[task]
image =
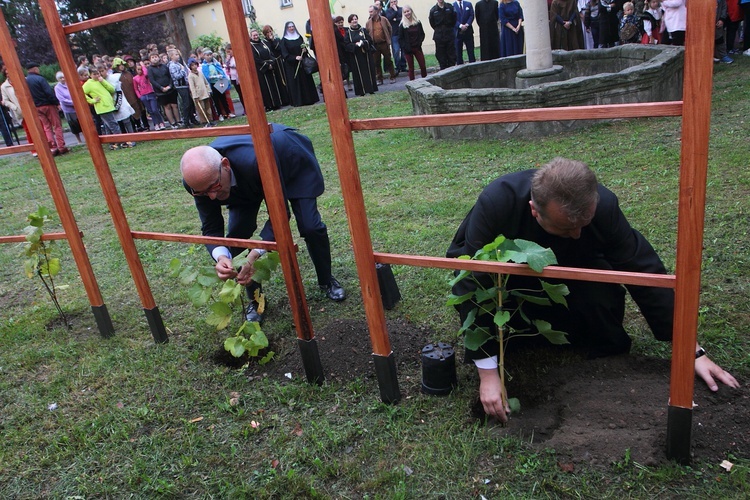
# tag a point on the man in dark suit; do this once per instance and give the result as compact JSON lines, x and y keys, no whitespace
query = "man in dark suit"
{"x":561,"y":206}
{"x":443,"y":20}
{"x":225,"y":173}
{"x":394,"y":13}
{"x":464,"y":30}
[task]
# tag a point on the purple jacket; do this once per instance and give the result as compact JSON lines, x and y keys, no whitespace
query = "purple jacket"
{"x":63,"y":95}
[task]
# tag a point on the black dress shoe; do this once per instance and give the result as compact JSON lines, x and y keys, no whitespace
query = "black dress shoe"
{"x":252,"y":314}
{"x":334,"y":290}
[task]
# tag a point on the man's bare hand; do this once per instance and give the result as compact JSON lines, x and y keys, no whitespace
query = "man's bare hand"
{"x":710,"y":372}
{"x":490,"y":394}
{"x":224,"y":268}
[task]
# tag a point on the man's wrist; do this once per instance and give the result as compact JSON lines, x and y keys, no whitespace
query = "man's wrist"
{"x":221,"y":252}
{"x":261,"y":252}
{"x":700,"y":353}
{"x":486,"y":363}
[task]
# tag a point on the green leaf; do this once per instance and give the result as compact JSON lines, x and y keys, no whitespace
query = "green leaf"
{"x":501,"y":317}
{"x":33,"y":234}
{"x":265,"y":359}
{"x":51,"y":267}
{"x":261,"y":275}
{"x":515,"y":405}
{"x":220,"y":315}
{"x":207,"y":277}
{"x":198,"y":295}
{"x":556,"y":292}
{"x":188,"y":275}
{"x":174,"y":267}
{"x":460,"y":276}
{"x":489,"y":294}
{"x":491,"y":248}
{"x":248,"y":328}
{"x":536,"y":256}
{"x":230,"y":291}
{"x":474,"y":339}
{"x":468,"y":322}
{"x":29,"y":268}
{"x":542,"y":301}
{"x":554,"y":336}
{"x":235,"y":346}
{"x":259,"y":338}
{"x":459,"y":299}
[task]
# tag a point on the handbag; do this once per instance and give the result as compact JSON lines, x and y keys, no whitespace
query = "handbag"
{"x":118,"y":99}
{"x":309,"y":64}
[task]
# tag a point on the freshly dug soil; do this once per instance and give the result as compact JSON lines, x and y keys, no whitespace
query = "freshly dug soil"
{"x":589,"y":411}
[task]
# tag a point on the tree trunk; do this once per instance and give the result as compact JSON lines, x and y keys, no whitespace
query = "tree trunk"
{"x":177,"y":30}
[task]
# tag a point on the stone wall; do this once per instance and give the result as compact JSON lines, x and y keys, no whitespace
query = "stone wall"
{"x":626,"y":74}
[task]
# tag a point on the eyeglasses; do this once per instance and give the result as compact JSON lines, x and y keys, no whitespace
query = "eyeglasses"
{"x":212,"y":188}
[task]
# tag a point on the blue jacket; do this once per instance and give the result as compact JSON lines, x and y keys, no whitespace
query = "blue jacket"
{"x":299,"y":173}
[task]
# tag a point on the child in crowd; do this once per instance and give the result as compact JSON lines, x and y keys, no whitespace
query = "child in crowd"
{"x":720,"y":46}
{"x":100,"y":94}
{"x":591,"y":20}
{"x":629,"y":30}
{"x":652,"y":25}
{"x":145,"y":93}
{"x":201,"y":92}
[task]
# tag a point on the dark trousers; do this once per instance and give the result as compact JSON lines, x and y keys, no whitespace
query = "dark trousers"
{"x":243,"y":222}
{"x":220,"y":102}
{"x":465,"y":39}
{"x":187,"y":108}
{"x":445,"y":53}
{"x":677,"y":38}
{"x":419,"y":56}
{"x":382,"y":49}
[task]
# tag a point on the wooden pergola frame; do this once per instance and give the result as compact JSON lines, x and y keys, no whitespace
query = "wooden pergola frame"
{"x":257,"y":126}
{"x":695,"y":110}
{"x":71,"y":232}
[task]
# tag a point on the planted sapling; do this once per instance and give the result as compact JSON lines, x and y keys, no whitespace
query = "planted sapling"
{"x":203,"y":282}
{"x":40,"y":257}
{"x":493,"y":299}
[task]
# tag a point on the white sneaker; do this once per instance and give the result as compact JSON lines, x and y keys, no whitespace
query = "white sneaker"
{"x":221,"y":118}
{"x":232,"y":115}
{"x":747,"y":52}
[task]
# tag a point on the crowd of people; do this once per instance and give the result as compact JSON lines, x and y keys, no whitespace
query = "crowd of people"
{"x":579,"y":24}
{"x":158,"y":90}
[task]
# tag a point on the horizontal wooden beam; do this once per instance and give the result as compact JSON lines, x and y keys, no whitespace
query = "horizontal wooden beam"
{"x":23,"y":148}
{"x":598,"y":275}
{"x":146,"y":10}
{"x":45,"y":237}
{"x":163,"y":135}
{"x":206,"y":240}
{"x":637,"y":110}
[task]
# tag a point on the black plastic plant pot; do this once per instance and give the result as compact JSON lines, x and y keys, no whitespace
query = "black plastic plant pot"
{"x":438,"y":369}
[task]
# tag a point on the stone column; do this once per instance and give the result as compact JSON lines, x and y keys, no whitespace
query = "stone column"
{"x":536,"y":31}
{"x":539,"y":67}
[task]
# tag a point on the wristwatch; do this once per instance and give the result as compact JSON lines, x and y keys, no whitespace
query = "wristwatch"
{"x":700,"y":352}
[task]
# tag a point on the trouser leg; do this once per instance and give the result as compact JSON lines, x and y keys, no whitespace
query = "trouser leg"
{"x":313,"y":231}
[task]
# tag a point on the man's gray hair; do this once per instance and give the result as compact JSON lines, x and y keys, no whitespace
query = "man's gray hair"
{"x":570,"y":183}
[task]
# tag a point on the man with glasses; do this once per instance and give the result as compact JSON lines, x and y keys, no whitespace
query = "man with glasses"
{"x":225,"y":173}
{"x":562,"y":206}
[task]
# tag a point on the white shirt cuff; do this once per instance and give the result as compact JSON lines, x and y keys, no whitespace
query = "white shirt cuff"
{"x":486,"y":363}
{"x":219,"y":251}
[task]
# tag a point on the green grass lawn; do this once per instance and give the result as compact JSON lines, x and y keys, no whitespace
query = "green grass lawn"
{"x":138,"y":419}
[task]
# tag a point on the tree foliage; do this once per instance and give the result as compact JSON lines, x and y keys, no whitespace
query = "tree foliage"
{"x":27,"y":27}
